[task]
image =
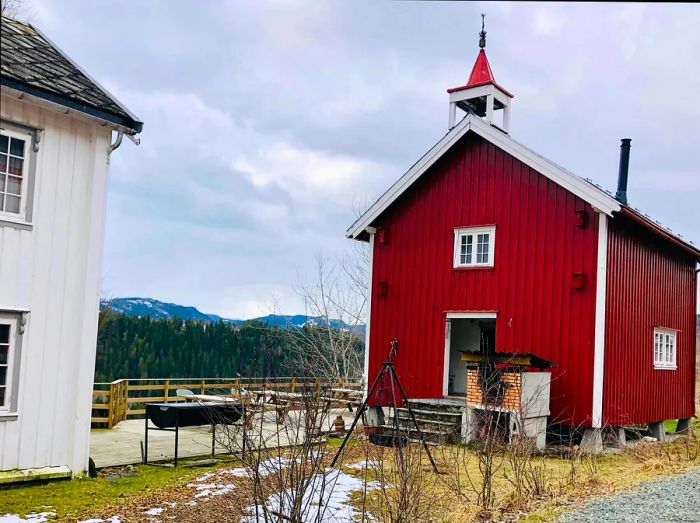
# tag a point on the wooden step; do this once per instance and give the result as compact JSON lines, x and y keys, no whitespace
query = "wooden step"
{"x":409,"y":430}
{"x":431,"y":412}
{"x":427,"y":421}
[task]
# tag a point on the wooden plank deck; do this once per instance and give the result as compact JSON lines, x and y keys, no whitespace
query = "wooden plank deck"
{"x":121,"y":444}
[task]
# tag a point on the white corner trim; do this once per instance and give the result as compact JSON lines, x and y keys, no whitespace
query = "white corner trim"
{"x":365,"y":371}
{"x":599,"y":340}
{"x":566,"y":179}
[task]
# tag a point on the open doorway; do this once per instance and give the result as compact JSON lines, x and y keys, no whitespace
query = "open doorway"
{"x":465,"y":332}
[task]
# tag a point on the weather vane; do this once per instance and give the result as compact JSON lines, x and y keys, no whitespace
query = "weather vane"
{"x":482,"y":34}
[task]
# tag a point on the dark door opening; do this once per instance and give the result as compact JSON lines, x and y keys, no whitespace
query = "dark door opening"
{"x":476,"y":335}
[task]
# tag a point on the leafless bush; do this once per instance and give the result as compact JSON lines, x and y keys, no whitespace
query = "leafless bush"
{"x":406,"y":485}
{"x":284,"y":451}
{"x":336,"y":297}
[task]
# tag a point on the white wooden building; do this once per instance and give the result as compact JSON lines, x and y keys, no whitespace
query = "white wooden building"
{"x":58,"y":128}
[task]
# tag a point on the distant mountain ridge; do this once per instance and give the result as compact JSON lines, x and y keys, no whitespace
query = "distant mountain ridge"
{"x":153,"y":308}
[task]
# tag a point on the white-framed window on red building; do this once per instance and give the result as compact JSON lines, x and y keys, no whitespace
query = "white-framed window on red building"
{"x":665,"y":348}
{"x":474,"y":246}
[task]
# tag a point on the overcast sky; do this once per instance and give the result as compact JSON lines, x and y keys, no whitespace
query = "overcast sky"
{"x":266,"y":123}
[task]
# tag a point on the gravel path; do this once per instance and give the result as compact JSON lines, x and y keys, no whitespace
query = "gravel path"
{"x":671,"y":499}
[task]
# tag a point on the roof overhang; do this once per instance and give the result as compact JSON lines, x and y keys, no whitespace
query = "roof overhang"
{"x":480,"y":84}
{"x":127,"y":125}
{"x":588,"y":192}
{"x":661,"y":231}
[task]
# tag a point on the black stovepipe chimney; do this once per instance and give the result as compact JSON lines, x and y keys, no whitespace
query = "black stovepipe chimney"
{"x":621,"y":194}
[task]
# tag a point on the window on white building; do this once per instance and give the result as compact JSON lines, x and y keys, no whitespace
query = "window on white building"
{"x":14,"y":167}
{"x":7,"y":345}
{"x":665,"y":348}
{"x":474,"y":247}
{"x":11,"y":332}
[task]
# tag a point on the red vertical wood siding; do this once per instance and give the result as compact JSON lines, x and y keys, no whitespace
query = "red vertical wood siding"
{"x":538,"y":248}
{"x":649,"y":283}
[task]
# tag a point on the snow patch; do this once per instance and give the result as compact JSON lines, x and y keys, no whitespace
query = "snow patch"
{"x":362,"y":465}
{"x":211,"y":489}
{"x":155,"y":511}
{"x":34,"y":517}
{"x":325,"y":500}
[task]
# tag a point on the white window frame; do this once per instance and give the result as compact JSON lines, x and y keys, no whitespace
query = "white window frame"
{"x":26,"y":158}
{"x":461,"y":232}
{"x":665,"y":346}
{"x":7,"y":407}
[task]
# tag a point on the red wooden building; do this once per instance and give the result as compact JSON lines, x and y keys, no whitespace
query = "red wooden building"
{"x":485,"y":242}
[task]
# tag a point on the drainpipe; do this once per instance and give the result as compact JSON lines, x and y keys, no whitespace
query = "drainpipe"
{"x":116,"y":144}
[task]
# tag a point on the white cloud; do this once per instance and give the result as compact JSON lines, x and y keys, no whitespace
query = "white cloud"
{"x":265,"y":122}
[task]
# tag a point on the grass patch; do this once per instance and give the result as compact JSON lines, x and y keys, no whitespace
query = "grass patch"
{"x":564,"y":483}
{"x":72,"y":498}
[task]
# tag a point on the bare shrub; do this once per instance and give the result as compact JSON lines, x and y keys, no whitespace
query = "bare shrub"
{"x":407,"y":486}
{"x":284,"y":451}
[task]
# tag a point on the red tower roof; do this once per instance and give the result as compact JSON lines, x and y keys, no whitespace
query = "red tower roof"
{"x":481,"y":72}
{"x":481,"y":75}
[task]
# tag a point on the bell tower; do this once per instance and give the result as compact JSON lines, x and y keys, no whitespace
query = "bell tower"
{"x":481,"y":95}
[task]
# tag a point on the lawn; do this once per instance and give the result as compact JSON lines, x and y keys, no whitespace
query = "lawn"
{"x":537,"y":488}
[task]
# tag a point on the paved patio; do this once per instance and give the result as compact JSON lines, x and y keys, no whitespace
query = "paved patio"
{"x":121,"y":445}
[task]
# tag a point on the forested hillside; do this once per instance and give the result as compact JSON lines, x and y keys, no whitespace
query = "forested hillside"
{"x":143,"y":347}
{"x":132,"y":347}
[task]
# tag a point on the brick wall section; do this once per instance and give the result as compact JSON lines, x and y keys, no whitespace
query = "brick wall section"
{"x":512,"y":396}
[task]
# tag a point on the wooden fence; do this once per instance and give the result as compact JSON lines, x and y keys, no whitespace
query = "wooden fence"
{"x":125,"y":399}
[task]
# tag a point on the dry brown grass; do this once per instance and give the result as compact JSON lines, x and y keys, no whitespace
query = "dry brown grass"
{"x":550,"y":486}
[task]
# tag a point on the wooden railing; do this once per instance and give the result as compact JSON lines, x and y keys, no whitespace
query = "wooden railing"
{"x":125,"y":399}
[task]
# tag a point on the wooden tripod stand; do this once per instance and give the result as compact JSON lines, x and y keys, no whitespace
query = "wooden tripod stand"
{"x":389,"y":371}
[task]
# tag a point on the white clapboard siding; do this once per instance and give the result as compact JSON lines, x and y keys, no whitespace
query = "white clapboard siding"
{"x":54,"y":271}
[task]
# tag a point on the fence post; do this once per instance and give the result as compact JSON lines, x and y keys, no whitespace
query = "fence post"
{"x":110,"y":403}
{"x":125,"y":399}
{"x":166,"y":390}
{"x":201,"y":386}
{"x":293,"y":384}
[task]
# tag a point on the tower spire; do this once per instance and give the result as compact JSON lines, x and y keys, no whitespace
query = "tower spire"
{"x":481,"y":95}
{"x":482,"y":34}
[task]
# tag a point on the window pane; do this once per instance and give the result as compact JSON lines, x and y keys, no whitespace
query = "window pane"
{"x":4,"y":354}
{"x":2,"y":396}
{"x":3,"y":163}
{"x":14,"y":185}
{"x":3,"y":375}
{"x":15,"y":166}
{"x":3,"y":143}
{"x":4,"y":334}
{"x":12,"y":204}
{"x":657,"y":348}
{"x":17,"y":147}
{"x":2,"y":182}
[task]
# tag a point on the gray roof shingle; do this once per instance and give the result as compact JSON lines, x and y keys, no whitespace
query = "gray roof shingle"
{"x":31,"y":63}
